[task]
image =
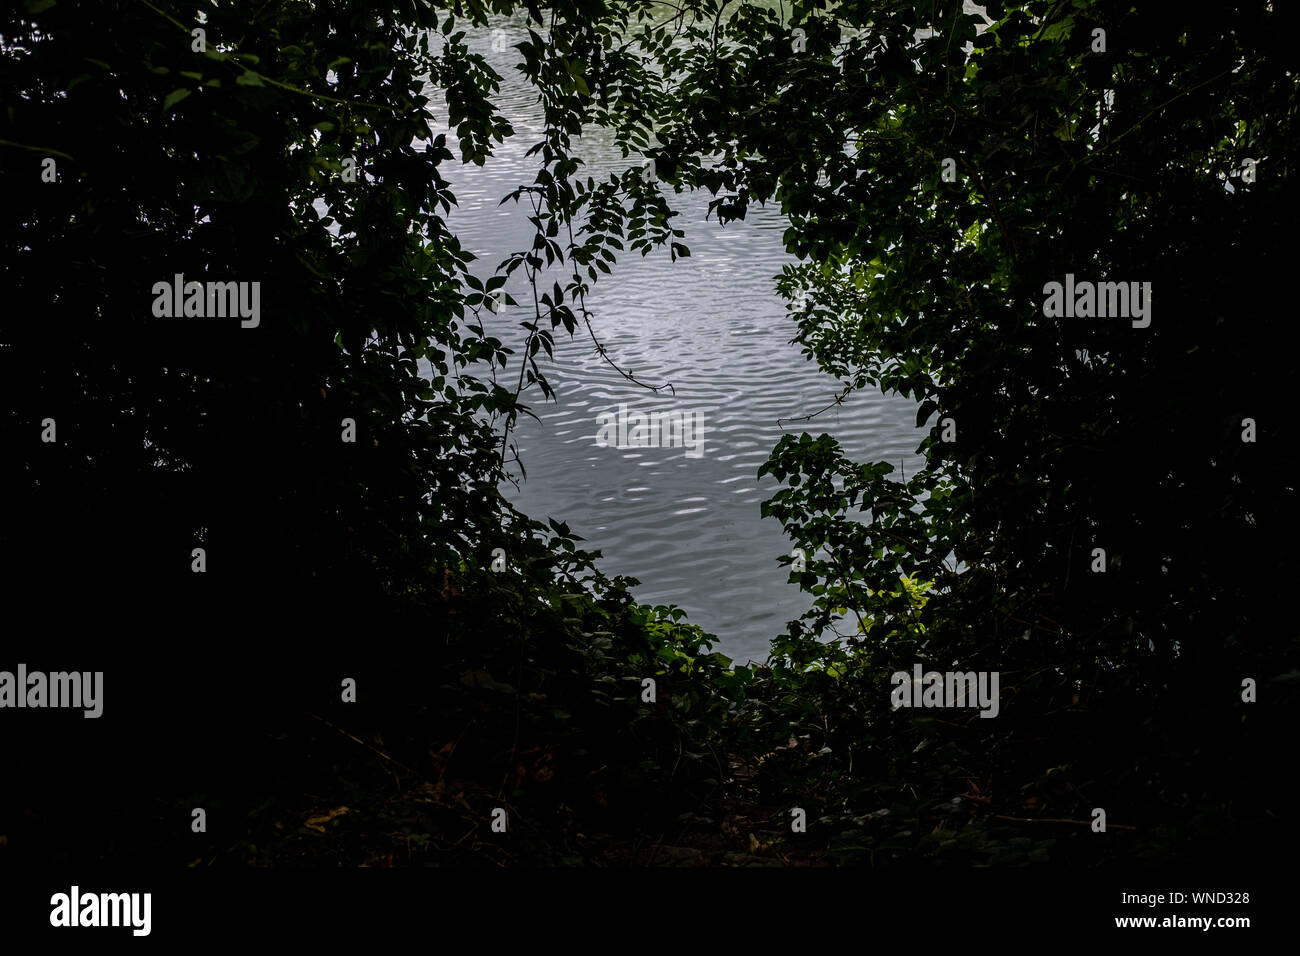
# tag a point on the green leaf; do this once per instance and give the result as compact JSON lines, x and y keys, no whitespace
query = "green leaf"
{"x":174,"y":97}
{"x":925,"y":411}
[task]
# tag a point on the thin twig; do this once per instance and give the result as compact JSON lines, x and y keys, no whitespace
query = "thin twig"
{"x":1117,"y":826}
{"x":838,"y":400}
{"x":361,"y":742}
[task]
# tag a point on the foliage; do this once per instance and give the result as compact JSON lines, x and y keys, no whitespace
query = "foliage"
{"x":1071,"y":435}
{"x":230,"y":159}
{"x":373,"y":559}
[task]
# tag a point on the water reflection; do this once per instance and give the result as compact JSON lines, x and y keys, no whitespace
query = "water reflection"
{"x":713,"y":326}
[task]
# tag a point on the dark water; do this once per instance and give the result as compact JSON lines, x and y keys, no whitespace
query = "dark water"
{"x":712,"y":325}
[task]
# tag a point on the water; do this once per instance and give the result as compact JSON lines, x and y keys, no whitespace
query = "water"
{"x":712,"y":325}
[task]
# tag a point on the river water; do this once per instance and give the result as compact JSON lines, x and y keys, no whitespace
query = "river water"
{"x":712,"y":324}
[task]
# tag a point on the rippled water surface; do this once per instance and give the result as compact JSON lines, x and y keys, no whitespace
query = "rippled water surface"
{"x":712,"y":325}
